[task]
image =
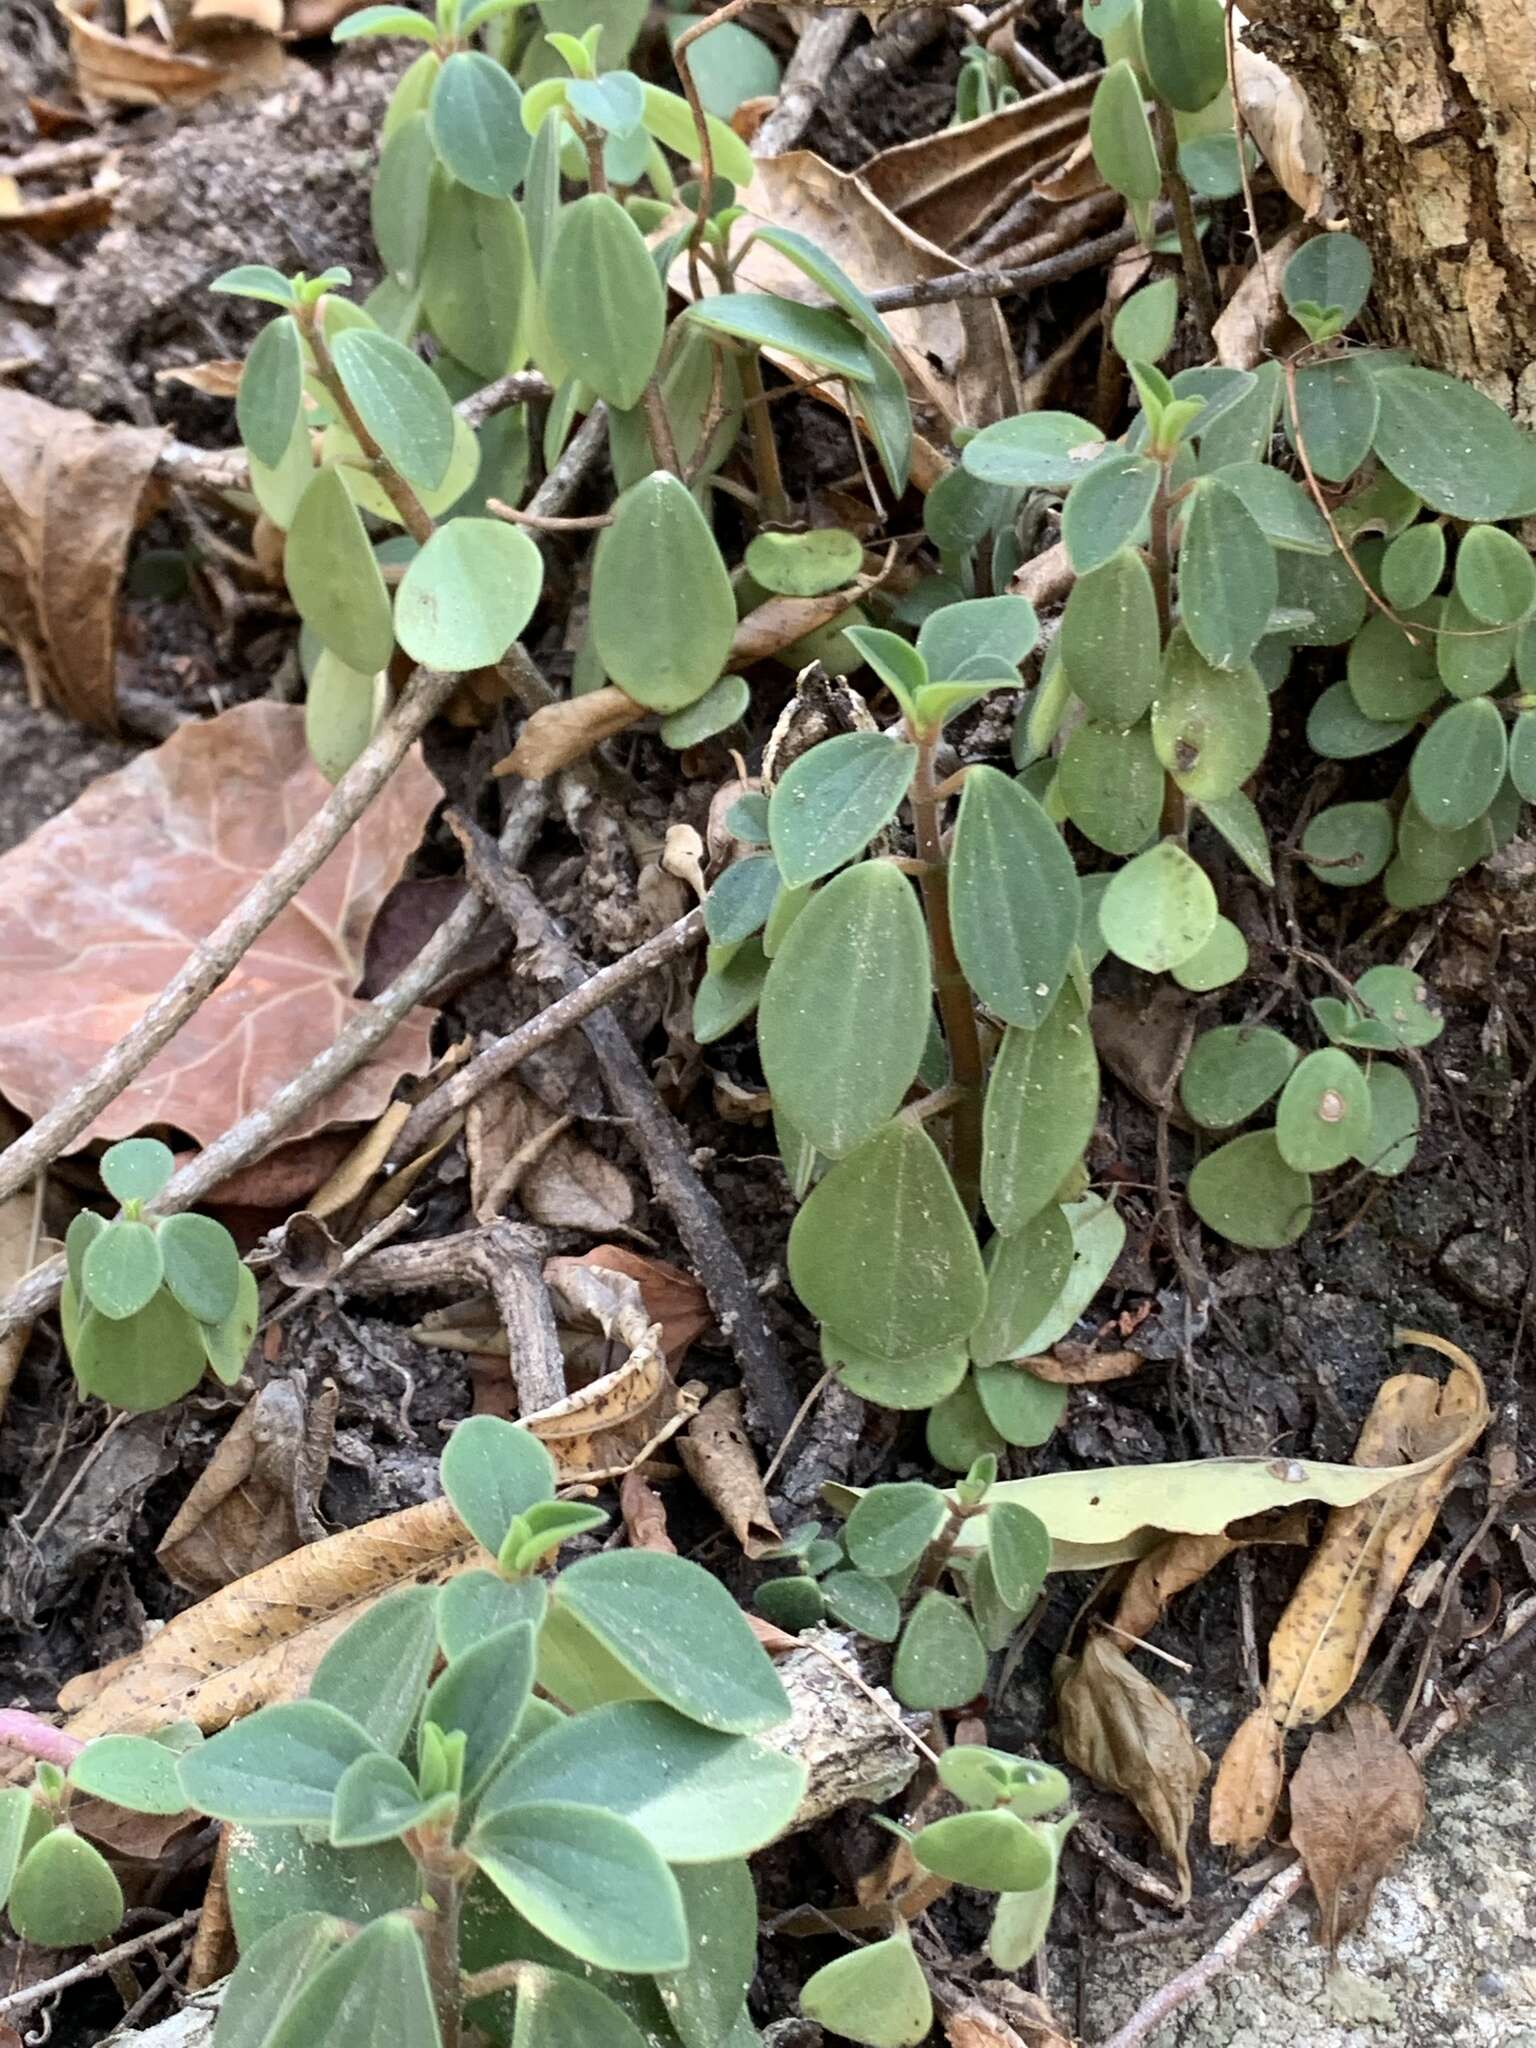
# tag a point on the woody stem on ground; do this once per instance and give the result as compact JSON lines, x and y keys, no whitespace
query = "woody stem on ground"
{"x":413,"y":514}
{"x":1196,"y":274}
{"x":957,"y":1011}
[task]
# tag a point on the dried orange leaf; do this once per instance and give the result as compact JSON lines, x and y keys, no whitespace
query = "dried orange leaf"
{"x":559,"y":734}
{"x":645,"y":1514}
{"x":669,"y":1296}
{"x":1248,"y":1785}
{"x":1357,"y":1801}
{"x":102,"y":905}
{"x":1080,"y":1365}
{"x":60,"y":215}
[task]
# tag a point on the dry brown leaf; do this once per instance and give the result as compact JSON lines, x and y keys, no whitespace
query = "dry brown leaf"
{"x":1069,"y":1364}
{"x":718,"y":1456}
{"x":558,"y":734}
{"x":1279,"y":117}
{"x":607,"y":1425}
{"x":103,"y":904}
{"x":139,"y":71}
{"x":219,"y":378}
{"x":1357,"y":1801}
{"x":1182,"y":1561}
{"x":255,"y":1501}
{"x":519,"y":1148}
{"x":64,"y":214}
{"x":645,"y":1515}
{"x":71,"y":494}
{"x":21,"y":1248}
{"x":266,"y":15}
{"x":778,"y":1642}
{"x":1029,"y":2024}
{"x":1246,"y":326}
{"x":1131,"y":1739}
{"x":670,"y":1297}
{"x":779,"y":622}
{"x":319,"y":17}
{"x":1246,"y":1794}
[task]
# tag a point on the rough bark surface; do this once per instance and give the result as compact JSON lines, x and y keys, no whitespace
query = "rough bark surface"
{"x":1429,"y":109}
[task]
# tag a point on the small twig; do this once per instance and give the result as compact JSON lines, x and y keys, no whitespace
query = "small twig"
{"x":1141,"y":1643}
{"x":50,"y":158}
{"x":805,"y":80}
{"x":584,"y":448}
{"x":854,"y":1678}
{"x":587,"y":522}
{"x":96,"y":1966}
{"x":1000,"y":284}
{"x":773,"y":1464}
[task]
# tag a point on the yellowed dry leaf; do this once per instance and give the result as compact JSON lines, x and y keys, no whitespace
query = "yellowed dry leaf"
{"x":219,"y":378}
{"x":266,"y":15}
{"x":718,"y":1456}
{"x":71,"y":494}
{"x":1069,"y":1364}
{"x":1357,"y":1801}
{"x":1029,"y":2024}
{"x":605,"y":1426}
{"x":559,"y":734}
{"x":136,"y":71}
{"x":1130,"y":1738}
{"x":1182,"y":1561}
{"x":65,"y":213}
{"x":780,"y":621}
{"x":1249,"y":1781}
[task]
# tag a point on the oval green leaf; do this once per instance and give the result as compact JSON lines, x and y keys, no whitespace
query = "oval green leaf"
{"x":1233,"y":1071}
{"x":1014,"y":900}
{"x":663,"y":612}
{"x":468,"y":594}
{"x":1458,"y":766}
{"x":333,"y":578}
{"x":400,"y":402}
{"x":270,"y":397}
{"x":1041,"y":1105}
{"x":1110,"y":639}
{"x":829,"y":804}
{"x":602,"y":300}
{"x":1159,"y":909}
{"x":476,"y":118}
{"x":1247,"y":1193}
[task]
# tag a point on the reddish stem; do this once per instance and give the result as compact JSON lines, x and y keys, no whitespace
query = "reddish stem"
{"x":34,"y":1736}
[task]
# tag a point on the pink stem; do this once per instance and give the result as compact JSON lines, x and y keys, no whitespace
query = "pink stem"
{"x":36,"y":1737}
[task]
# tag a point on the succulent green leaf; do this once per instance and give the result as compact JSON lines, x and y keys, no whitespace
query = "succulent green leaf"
{"x":1023,"y":1409}
{"x":282,"y":1763}
{"x":122,"y":1269}
{"x":493,"y":1471}
{"x":1026,"y":1270}
{"x":1332,"y":270}
{"x":342,"y":712}
{"x":844,"y":1014}
{"x":1348,"y":845}
{"x":865,"y":1604}
{"x":602,"y":300}
{"x":804,"y":564}
{"x":474,"y":1605}
{"x":377,"y":1800}
{"x":1392,"y":677}
{"x":136,"y":1169}
{"x":382,"y":21}
{"x":1340,"y":731}
{"x":670,"y":119}
{"x":1324,"y":1112}
{"x":722,"y":705}
{"x":271,"y":1973}
{"x":1111,"y":785}
{"x":268,"y":403}
{"x":1121,"y":137}
{"x":400,"y":402}
{"x":1022,"y":1919}
{"x":816,"y":334}
{"x":64,"y":1895}
{"x":333,"y":578}
{"x":1221,"y":960}
{"x":996,"y":1852}
{"x":892,"y":1525}
{"x":1034,"y":451}
{"x":1455,"y":774}
{"x":1110,"y":640}
{"x":940,"y":1661}
{"x":1019,"y":1546}
{"x":1041,"y":1105}
{"x":1108,"y":509}
{"x":793,"y":1603}
{"x":1248,"y":1194}
{"x":1394,"y":1130}
{"x":1327,"y":602}
{"x":1454,"y":447}
{"x":143,"y":1362}
{"x":1334,"y":416}
{"x":1159,"y":910}
{"x":1014,"y":900}
{"x":1522,"y":755}
{"x":202,"y":1266}
{"x":374,"y":1992}
{"x":227,"y":1344}
{"x":876,"y":1995}
{"x":468,"y":594}
{"x":401,"y":200}
{"x":830,"y":803}
{"x":559,"y":2011}
{"x":982,"y":639}
{"x":809,"y":258}
{"x":958,"y":1433}
{"x":257,"y":281}
{"x":740,"y":900}
{"x":477,"y":279}
{"x":1495,"y":576}
{"x":587,"y":1880}
{"x":1283,"y":510}
{"x":882,"y":1250}
{"x":894,"y":660}
{"x":376,"y":1672}
{"x":1233,"y":1071}
{"x":1472,"y":659}
{"x":481,"y":1695}
{"x":640,"y":1604}
{"x":696,"y":1795}
{"x":1143,"y":327}
{"x":663,"y":611}
{"x":1210,"y":726}
{"x":1228,"y":583}
{"x":133,"y":1771}
{"x":729,"y":992}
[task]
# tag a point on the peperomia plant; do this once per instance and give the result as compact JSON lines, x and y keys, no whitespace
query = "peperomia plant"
{"x":511,"y":1804}
{"x":151,"y":1303}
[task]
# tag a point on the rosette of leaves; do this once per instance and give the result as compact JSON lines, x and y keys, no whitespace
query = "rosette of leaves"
{"x":151,"y":1303}
{"x":941,"y":1576}
{"x":565,"y":1772}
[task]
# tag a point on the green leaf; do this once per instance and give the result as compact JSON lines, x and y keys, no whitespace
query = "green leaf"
{"x":740,"y":900}
{"x":1019,"y":1546}
{"x":982,"y":639}
{"x":831,"y":802}
{"x":1522,"y":759}
{"x":493,"y":1471}
{"x":1471,"y":659}
{"x":477,"y":280}
{"x":587,"y":1880}
{"x":376,"y":1671}
{"x":482,"y":1696}
{"x":959,"y":1436}
{"x":882,"y":1250}
{"x":476,"y":119}
{"x":1014,"y":900}
{"x":1455,"y":774}
{"x":1108,"y":509}
{"x":342,"y":712}
{"x":22,"y":1822}
{"x":706,"y":2002}
{"x":1098,"y":1237}
{"x":282,"y":1763}
{"x":1340,"y":731}
{"x":268,"y":404}
{"x":792,"y":1603}
{"x":804,"y":564}
{"x":981,"y":1777}
{"x":136,"y":1169}
{"x":892,"y":1525}
{"x":401,"y":201}
{"x":864,"y":1604}
{"x":276,"y":1872}
{"x":1233,"y":1071}
{"x":1393,"y":1138}
{"x":122,"y":1269}
{"x":663,"y":611}
{"x":400,"y":402}
{"x":603,"y":303}
{"x":1159,"y":909}
{"x":1041,"y":1106}
{"x":132,"y":1771}
{"x":640,"y":1605}
{"x":202,"y":1266}
{"x":898,"y":664}
{"x":382,"y":21}
{"x":1022,"y":1919}
{"x":730,"y":65}
{"x":722,"y":705}
{"x":372,"y":1993}
{"x":1143,"y":327}
{"x":814,"y":333}
{"x":1495,"y":576}
{"x":468,"y":594}
{"x":258,"y":281}
{"x":1349,"y":844}
{"x":1398,"y":1002}
{"x":1022,"y":1408}
{"x":271,"y":1973}
{"x":1121,"y":137}
{"x":939,"y":1661}
{"x":1110,"y":639}
{"x":840,"y":1049}
{"x":1026,"y":1270}
{"x":1210,"y":166}
{"x":474,"y":1605}
{"x":1221,"y":960}
{"x":1330,"y":270}
{"x":1324,"y":1112}
{"x":558,"y":2011}
{"x":876,"y":1995}
{"x":333,"y":579}
{"x":1033,"y":451}
{"x":1237,"y":819}
{"x":1210,"y":727}
{"x":64,"y":1895}
{"x":1455,"y":448}
{"x":697,"y":1796}
{"x":1228,"y":584}
{"x":1335,"y":416}
{"x":143,"y":1362}
{"x":227,"y":1344}
{"x":614,"y":103}
{"x":377,"y":1801}
{"x":1247,"y":1193}
{"x":728,"y":994}
{"x":1323,"y":588}
{"x":670,"y":119}
{"x":1111,"y":785}
{"x":996,"y":1852}
{"x":1391,"y":677}
{"x":1284,"y":512}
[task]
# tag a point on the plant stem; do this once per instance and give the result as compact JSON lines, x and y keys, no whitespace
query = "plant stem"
{"x":941,"y":1549}
{"x":592,"y":143}
{"x":658,"y":428}
{"x":1160,"y":552}
{"x":442,"y":1945}
{"x":956,"y":1008}
{"x":772,"y":496}
{"x":1196,"y":275}
{"x":413,"y":514}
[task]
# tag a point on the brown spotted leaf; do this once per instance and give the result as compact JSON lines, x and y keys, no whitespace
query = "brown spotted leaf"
{"x":102,"y":905}
{"x":1357,"y":1801}
{"x":1248,"y":1785}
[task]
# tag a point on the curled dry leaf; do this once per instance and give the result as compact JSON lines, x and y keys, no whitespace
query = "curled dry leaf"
{"x":1357,"y":1801}
{"x":219,"y":378}
{"x":1246,"y":326}
{"x":670,"y":1297}
{"x":1130,"y":1738}
{"x":1069,"y":1364}
{"x":558,"y":734}
{"x":779,"y":622}
{"x":1025,"y":2022}
{"x":1279,"y":117}
{"x":645,"y":1515}
{"x":256,"y":1499}
{"x":140,"y":71}
{"x":718,"y":1456}
{"x":520,"y":1150}
{"x":606,"y":1426}
{"x":1321,"y":1640}
{"x":1248,"y":1785}
{"x":103,"y":904}
{"x":1183,"y":1561}
{"x":62,"y":214}
{"x":71,"y":495}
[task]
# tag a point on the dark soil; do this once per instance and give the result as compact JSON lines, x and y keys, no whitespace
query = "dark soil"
{"x":1287,"y":1354}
